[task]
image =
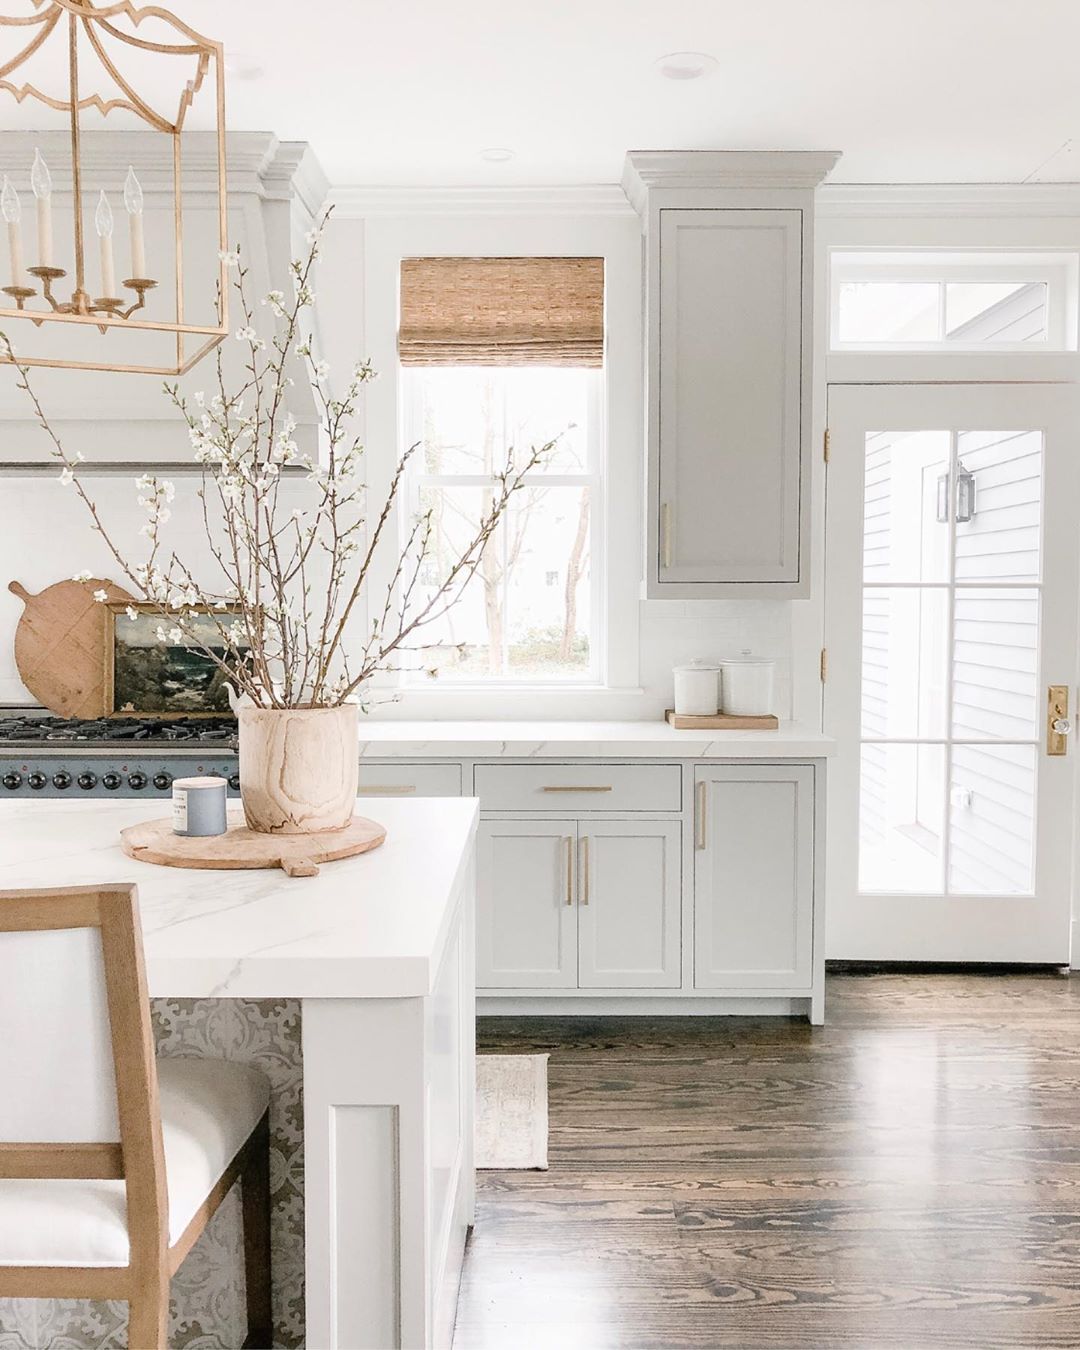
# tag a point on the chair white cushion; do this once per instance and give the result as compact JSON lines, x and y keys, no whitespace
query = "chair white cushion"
{"x":208,"y":1110}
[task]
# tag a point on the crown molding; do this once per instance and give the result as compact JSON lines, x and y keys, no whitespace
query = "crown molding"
{"x":646,"y":170}
{"x":566,"y":200}
{"x":913,"y":200}
{"x":257,"y":162}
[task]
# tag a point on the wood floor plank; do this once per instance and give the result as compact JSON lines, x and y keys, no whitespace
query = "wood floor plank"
{"x":907,"y":1176}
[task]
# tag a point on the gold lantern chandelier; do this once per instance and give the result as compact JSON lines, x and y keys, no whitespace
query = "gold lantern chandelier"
{"x":84,"y":59}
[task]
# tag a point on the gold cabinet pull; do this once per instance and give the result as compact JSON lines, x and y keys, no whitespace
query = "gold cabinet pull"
{"x":574,"y":787}
{"x":701,"y":806}
{"x":584,"y":869}
{"x":569,"y":842}
{"x":665,"y":533}
{"x":385,"y":790}
{"x":1058,"y":725}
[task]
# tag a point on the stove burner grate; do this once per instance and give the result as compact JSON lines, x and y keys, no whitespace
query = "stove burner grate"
{"x":27,"y":729}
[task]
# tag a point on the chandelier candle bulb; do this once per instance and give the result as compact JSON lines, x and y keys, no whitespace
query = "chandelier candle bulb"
{"x":199,"y":807}
{"x":12,"y":213}
{"x":103,"y":220}
{"x":41,"y":182}
{"x":133,"y":201}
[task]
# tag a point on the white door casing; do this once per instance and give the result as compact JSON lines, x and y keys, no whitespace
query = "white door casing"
{"x":943,"y":634}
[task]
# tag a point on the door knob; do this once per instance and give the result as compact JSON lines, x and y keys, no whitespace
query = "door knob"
{"x":1062,"y":726}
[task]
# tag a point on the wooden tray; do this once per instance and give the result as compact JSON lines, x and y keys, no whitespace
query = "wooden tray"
{"x":296,"y":854}
{"x":722,"y":722}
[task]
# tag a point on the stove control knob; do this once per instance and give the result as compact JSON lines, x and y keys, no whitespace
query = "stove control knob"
{"x":137,"y":780}
{"x":87,"y":780}
{"x":111,"y":780}
{"x":12,"y":780}
{"x":62,"y":779}
{"x":37,"y":780}
{"x":163,"y":781}
{"x":234,"y":782}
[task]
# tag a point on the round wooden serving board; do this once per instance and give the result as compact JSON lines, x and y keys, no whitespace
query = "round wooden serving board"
{"x":60,"y":645}
{"x":297,"y":854}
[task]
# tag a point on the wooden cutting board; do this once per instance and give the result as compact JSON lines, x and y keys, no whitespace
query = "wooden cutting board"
{"x":298,"y":855}
{"x":60,"y":645}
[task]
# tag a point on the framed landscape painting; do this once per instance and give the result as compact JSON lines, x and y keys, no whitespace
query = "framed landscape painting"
{"x":145,"y":677}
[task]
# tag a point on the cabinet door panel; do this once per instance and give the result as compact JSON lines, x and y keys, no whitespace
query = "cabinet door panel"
{"x":753,"y":877}
{"x":730,"y":372}
{"x":526,"y":916}
{"x":629,"y":904}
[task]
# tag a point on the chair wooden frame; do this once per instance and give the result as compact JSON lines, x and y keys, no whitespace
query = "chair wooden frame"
{"x":138,"y":1159}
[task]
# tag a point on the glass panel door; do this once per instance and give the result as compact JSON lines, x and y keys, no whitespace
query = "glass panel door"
{"x":951,"y":604}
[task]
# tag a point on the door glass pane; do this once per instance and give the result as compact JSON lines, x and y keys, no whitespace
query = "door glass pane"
{"x":995,"y":664}
{"x":901,"y":818}
{"x":950,"y":661}
{"x":995,"y":311}
{"x":905,"y":657}
{"x":889,"y":311}
{"x":903,"y":539}
{"x":992,"y":819}
{"x":1000,"y":542}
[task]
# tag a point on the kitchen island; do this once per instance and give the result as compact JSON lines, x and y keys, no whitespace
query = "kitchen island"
{"x":379,"y":951}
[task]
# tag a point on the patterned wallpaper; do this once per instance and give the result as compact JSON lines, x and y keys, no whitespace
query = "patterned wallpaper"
{"x":207,"y":1303}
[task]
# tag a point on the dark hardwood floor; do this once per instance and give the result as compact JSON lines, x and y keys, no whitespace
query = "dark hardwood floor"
{"x":906,"y":1176}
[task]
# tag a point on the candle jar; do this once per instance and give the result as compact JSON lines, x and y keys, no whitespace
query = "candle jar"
{"x":199,"y":807}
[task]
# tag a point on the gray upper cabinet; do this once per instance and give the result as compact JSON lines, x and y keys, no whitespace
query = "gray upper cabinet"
{"x":728,"y":294}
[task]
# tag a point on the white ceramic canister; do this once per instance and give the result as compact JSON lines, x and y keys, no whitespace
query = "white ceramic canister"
{"x":697,"y":689}
{"x":748,"y":686}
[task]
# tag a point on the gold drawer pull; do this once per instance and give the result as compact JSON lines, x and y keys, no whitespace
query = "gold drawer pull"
{"x":574,"y":788}
{"x":700,"y":813}
{"x":386,"y":790}
{"x":569,"y":842}
{"x":584,"y":869}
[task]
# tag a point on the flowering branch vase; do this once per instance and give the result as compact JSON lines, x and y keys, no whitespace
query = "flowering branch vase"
{"x":298,"y":768}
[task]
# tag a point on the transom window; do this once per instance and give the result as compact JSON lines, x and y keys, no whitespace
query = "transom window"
{"x":955,"y":301}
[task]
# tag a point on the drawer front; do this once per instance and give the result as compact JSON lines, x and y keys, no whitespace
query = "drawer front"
{"x":578,"y":787}
{"x":409,"y":780}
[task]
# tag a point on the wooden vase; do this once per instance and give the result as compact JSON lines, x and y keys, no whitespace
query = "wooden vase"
{"x":298,"y":768}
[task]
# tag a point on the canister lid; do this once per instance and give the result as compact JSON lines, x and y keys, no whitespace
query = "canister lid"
{"x":698,"y":664}
{"x":210,"y":782}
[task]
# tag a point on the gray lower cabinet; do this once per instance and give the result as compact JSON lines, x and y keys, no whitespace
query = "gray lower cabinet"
{"x":754,"y":877}
{"x":579,"y":904}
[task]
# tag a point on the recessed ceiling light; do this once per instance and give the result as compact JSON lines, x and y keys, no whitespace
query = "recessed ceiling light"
{"x":686,"y":65}
{"x":242,"y":67}
{"x":497,"y":154}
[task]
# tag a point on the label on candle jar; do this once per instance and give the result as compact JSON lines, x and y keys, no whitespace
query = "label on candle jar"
{"x":179,"y":811}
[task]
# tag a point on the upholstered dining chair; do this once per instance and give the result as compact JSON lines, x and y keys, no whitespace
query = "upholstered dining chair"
{"x":112,"y":1163}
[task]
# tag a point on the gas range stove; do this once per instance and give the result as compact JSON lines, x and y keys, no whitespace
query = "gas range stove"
{"x":49,"y":756}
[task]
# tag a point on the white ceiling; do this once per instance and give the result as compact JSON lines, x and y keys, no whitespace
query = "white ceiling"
{"x":410,"y":91}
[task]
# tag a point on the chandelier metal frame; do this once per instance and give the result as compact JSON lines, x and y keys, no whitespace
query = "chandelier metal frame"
{"x":60,"y":20}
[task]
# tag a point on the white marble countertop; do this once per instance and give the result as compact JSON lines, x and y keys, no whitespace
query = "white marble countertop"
{"x":366,"y":927}
{"x":549,"y":740}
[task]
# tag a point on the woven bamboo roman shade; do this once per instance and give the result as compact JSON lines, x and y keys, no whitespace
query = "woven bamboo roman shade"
{"x":502,"y":312}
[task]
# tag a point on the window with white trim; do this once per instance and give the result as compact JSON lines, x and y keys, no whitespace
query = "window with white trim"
{"x":532,"y":612}
{"x":923,"y":301}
